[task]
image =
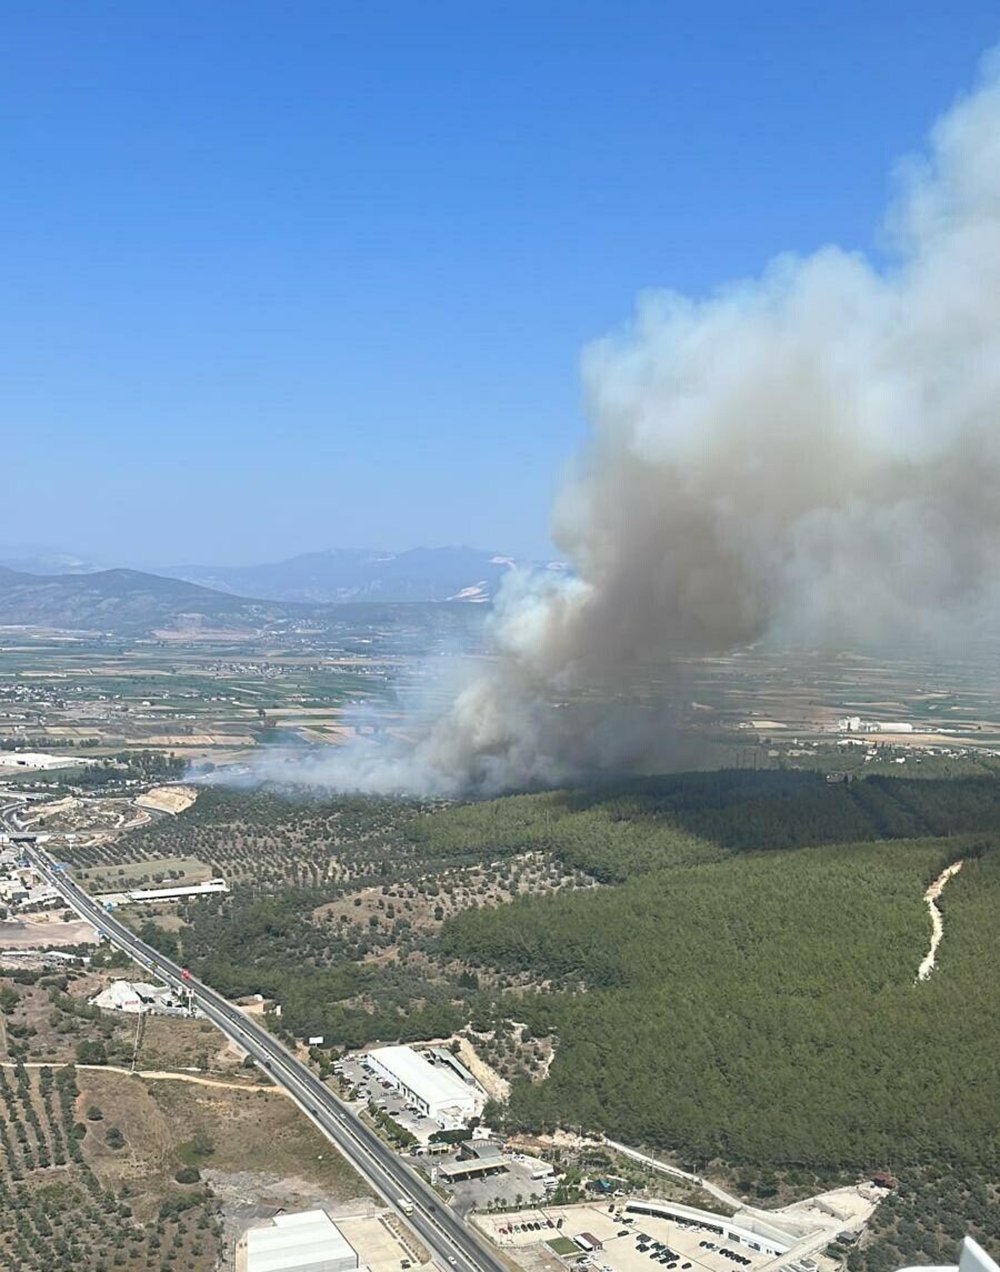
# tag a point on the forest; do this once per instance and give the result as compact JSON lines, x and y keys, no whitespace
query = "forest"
{"x":738,"y":989}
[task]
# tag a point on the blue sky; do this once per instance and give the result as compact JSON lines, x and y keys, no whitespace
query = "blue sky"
{"x":286,"y":276}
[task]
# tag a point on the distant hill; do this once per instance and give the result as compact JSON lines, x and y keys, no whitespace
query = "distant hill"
{"x":317,"y":588}
{"x":127,"y":602}
{"x":34,"y":558}
{"x":420,"y":574}
{"x":315,"y":578}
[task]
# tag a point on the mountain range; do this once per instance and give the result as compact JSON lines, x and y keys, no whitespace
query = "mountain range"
{"x":310,"y":591}
{"x":128,"y":603}
{"x":337,"y":575}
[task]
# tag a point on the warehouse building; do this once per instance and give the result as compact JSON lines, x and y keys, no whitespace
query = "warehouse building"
{"x":306,"y":1242}
{"x":136,"y":996}
{"x":435,"y":1089}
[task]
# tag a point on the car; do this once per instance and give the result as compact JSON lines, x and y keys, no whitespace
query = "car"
{"x":452,"y":1260}
{"x":685,"y":1266}
{"x":642,"y":1248}
{"x":623,"y":1233}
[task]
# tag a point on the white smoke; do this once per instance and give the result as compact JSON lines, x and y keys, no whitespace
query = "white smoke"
{"x":814,"y":454}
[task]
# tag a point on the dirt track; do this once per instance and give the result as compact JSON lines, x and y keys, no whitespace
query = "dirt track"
{"x":154,"y":1075}
{"x":937,"y":922}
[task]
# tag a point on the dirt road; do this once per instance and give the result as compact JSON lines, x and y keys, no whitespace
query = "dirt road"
{"x":937,"y":922}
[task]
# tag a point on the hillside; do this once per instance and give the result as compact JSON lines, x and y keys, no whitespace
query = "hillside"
{"x":126,"y":602}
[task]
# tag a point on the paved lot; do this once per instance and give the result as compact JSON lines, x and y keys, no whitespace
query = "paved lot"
{"x":370,"y":1087}
{"x":478,"y":1194}
{"x":377,"y":1241}
{"x":619,"y":1253}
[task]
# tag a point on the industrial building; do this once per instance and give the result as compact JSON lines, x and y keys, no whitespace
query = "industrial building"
{"x":435,"y":1089}
{"x":37,"y":760}
{"x":136,"y":996}
{"x":111,"y":900}
{"x":306,"y":1242}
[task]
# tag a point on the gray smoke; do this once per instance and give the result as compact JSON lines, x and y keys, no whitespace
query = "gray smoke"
{"x":812,"y":455}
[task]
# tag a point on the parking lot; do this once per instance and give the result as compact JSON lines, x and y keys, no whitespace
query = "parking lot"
{"x":369,"y":1087}
{"x":513,"y":1186}
{"x":628,"y":1243}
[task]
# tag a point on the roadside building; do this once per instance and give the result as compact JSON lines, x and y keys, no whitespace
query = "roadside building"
{"x":134,"y":996}
{"x":434,"y":1089}
{"x":178,"y":893}
{"x":476,"y":1160}
{"x":37,"y":760}
{"x":305,"y":1242}
{"x":13,"y":891}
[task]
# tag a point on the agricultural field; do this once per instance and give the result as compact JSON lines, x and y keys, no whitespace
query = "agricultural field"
{"x":215,"y":703}
{"x":83,"y":1185}
{"x":148,"y":872}
{"x":211,"y":701}
{"x":719,"y":966}
{"x":100,"y":1170}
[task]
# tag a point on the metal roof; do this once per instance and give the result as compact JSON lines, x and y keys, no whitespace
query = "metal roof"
{"x":308,"y":1240}
{"x":435,"y":1084}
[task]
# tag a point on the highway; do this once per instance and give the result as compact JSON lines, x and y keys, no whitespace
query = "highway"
{"x":446,"y":1236}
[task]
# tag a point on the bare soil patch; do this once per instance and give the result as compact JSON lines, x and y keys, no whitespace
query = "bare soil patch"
{"x":44,"y":929}
{"x":168,"y":799}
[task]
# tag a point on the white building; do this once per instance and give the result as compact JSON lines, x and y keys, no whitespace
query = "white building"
{"x":139,"y":895}
{"x":306,"y":1242}
{"x":134,"y":996}
{"x":435,"y":1089}
{"x":182,"y":890}
{"x":36,"y":760}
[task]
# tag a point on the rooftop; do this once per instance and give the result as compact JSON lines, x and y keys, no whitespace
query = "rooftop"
{"x":305,"y":1240}
{"x":434,"y":1083}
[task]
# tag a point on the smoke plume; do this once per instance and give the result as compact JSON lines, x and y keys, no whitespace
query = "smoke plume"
{"x":811,"y":455}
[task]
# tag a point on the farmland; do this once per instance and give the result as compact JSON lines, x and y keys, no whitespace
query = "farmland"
{"x":102,"y":1170}
{"x":719,"y":966}
{"x":716,"y":964}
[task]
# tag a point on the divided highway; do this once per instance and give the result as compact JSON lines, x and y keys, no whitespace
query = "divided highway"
{"x":451,"y":1242}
